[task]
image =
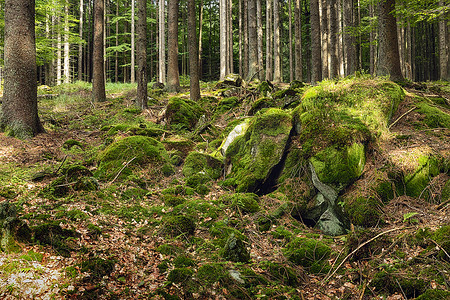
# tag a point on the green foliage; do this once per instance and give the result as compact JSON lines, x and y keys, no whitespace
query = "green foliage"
{"x":244,"y":202}
{"x":97,"y":267}
{"x":363,"y":211}
{"x":179,"y":225}
{"x":200,"y":163}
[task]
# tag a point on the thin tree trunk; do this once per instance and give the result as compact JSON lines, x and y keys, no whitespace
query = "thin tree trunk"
{"x":349,"y":40}
{"x":372,"y":47}
{"x":298,"y":41}
{"x":200,"y":34}
{"x":291,"y":58}
{"x":223,"y":38}
{"x":269,"y":40}
{"x":116,"y":54}
{"x":324,"y":35}
{"x":98,"y":80}
{"x":58,"y":54}
{"x":334,"y":62}
{"x":66,"y":44}
{"x":252,"y":40}
{"x":193,"y":52}
{"x":162,"y":43}
{"x":80,"y":45}
{"x":141,"y":100}
{"x":259,"y":27}
{"x":443,"y":43}
{"x":132,"y":67}
{"x":245,"y":42}
{"x":276,"y":42}
{"x":173,"y":75}
{"x":316,"y":59}
{"x":240,"y":38}
{"x":230,"y":36}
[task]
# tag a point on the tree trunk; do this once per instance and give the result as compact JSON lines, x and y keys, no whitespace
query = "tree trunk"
{"x":230,"y":36}
{"x":252,"y":40}
{"x":276,"y":42}
{"x":240,"y":38}
{"x":316,"y":59}
{"x":245,"y":41}
{"x":173,"y":75}
{"x":260,"y":38}
{"x":132,"y":67}
{"x":334,"y":43}
{"x":116,"y":55}
{"x":58,"y":54}
{"x":223,"y":38}
{"x":162,"y":44}
{"x":298,"y":41}
{"x":349,"y":40}
{"x":66,"y":44}
{"x":193,"y":52}
{"x":324,"y":35}
{"x":388,"y":55}
{"x":80,"y":45}
{"x":98,"y":70}
{"x":443,"y":55}
{"x":372,"y":46}
{"x":291,"y":55}
{"x":200,"y":34}
{"x":141,"y":100}
{"x":269,"y":40}
{"x":19,"y":111}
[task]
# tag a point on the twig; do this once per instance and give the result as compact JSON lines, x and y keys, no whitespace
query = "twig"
{"x":440,"y":248}
{"x":118,"y":174}
{"x":398,"y":119}
{"x":441,"y":206}
{"x":60,"y":166}
{"x":66,"y":184}
{"x":359,"y":247}
{"x":401,"y":289}
{"x":363,"y":291}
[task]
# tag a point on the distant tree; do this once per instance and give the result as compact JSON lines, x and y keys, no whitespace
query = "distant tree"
{"x":316,"y":59}
{"x":19,"y":111}
{"x":277,"y":76}
{"x":252,"y":40}
{"x":269,"y":40}
{"x":388,"y":54}
{"x":98,"y":70}
{"x":444,"y":73}
{"x":193,"y":53}
{"x":173,"y":75}
{"x":298,"y":41}
{"x":141,"y":100}
{"x":162,"y":43}
{"x":132,"y":70}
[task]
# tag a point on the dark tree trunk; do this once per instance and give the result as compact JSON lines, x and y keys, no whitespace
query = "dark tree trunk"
{"x":19,"y":112}
{"x":388,"y":54}
{"x":334,"y":43}
{"x":253,"y":67}
{"x":141,"y":100}
{"x":173,"y":75}
{"x":98,"y":70}
{"x":193,"y":52}
{"x":316,"y":59}
{"x":298,"y":41}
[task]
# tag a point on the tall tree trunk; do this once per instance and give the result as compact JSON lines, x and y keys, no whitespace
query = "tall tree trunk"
{"x":66,"y":44}
{"x":132,"y":67}
{"x":316,"y":59}
{"x":162,"y":43}
{"x":334,"y":43}
{"x":269,"y":40}
{"x":200,"y":34}
{"x":291,"y":55}
{"x":240,"y":38}
{"x":173,"y":75}
{"x":276,"y":43}
{"x":409,"y":61}
{"x":372,"y":47}
{"x":80,"y":44}
{"x":223,"y":38}
{"x":349,"y":39}
{"x":193,"y":52}
{"x":58,"y":54}
{"x":245,"y":37}
{"x":443,"y":44}
{"x":116,"y":55}
{"x":19,"y":113}
{"x":98,"y":70}
{"x":252,"y":40}
{"x":141,"y":100}
{"x":324,"y":34}
{"x":388,"y":55}
{"x":259,"y":37}
{"x":230,"y":36}
{"x":298,"y":41}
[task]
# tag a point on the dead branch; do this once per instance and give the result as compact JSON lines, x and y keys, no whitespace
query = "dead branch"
{"x":398,"y":119}
{"x":120,"y":171}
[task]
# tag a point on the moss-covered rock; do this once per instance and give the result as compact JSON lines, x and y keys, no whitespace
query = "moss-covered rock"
{"x":235,"y":249}
{"x":389,"y":281}
{"x":12,"y":229}
{"x":211,"y":273}
{"x":201,"y":163}
{"x":225,"y":105}
{"x":97,"y":267}
{"x":179,"y":225}
{"x":255,"y":154}
{"x":445,"y":193}
{"x":339,"y":167}
{"x":442,"y":237}
{"x":128,"y":153}
{"x":363,"y":211}
{"x":356,"y":238}
{"x":312,"y":254}
{"x":260,"y":104}
{"x":283,"y":273}
{"x":53,"y":235}
{"x":244,"y":202}
{"x":179,"y":143}
{"x":183,"y":113}
{"x":434,"y":295}
{"x":230,"y":80}
{"x":417,"y":182}
{"x":434,"y":117}
{"x":180,"y":275}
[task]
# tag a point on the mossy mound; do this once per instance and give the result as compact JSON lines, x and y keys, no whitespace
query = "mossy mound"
{"x":131,"y":129}
{"x":201,"y":163}
{"x":225,"y":105}
{"x":235,"y":249}
{"x":283,"y":273}
{"x":55,"y":236}
{"x":127,"y":153}
{"x":254,"y":155}
{"x":12,"y":229}
{"x":312,"y":254}
{"x":434,"y":117}
{"x":339,"y":167}
{"x":434,"y":295}
{"x":389,"y":281}
{"x":363,"y":211}
{"x":244,"y":202}
{"x":178,"y":143}
{"x":416,"y":183}
{"x":442,"y":237}
{"x":357,"y":238}
{"x":183,"y":114}
{"x":445,"y":193}
{"x":230,"y":80}
{"x":260,"y":104}
{"x":179,"y":225}
{"x":97,"y":267}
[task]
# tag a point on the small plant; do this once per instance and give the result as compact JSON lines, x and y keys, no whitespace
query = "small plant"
{"x":408,"y":218}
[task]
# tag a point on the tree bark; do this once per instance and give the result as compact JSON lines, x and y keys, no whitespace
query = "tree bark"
{"x":66,"y":44}
{"x":98,"y":72}
{"x":19,"y":111}
{"x":334,"y":43}
{"x":80,"y":45}
{"x":223,"y":33}
{"x":316,"y":59}
{"x":291,"y":55}
{"x":245,"y":37}
{"x":276,"y":42}
{"x":200,"y":34}
{"x":132,"y":66}
{"x":324,"y":34}
{"x":162,"y":43}
{"x":58,"y":54}
{"x":349,"y":40}
{"x":388,"y":54}
{"x":298,"y":41}
{"x":173,"y":74}
{"x":141,"y":100}
{"x":252,"y":40}
{"x":193,"y":52}
{"x":259,"y":37}
{"x":269,"y":40}
{"x":443,"y":44}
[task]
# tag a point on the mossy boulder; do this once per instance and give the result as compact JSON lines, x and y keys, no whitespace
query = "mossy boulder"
{"x":442,"y":237}
{"x":97,"y":267}
{"x":12,"y":229}
{"x":183,"y":113}
{"x":128,"y":153}
{"x":225,"y":105}
{"x":260,"y":104}
{"x":310,"y":253}
{"x":416,"y":183}
{"x":252,"y":156}
{"x":60,"y":239}
{"x":363,"y":211}
{"x":445,"y":194}
{"x":434,"y":295}
{"x":230,"y":80}
{"x":178,"y":143}
{"x":244,"y":202}
{"x":235,"y":249}
{"x":339,"y":167}
{"x":434,"y":117}
{"x":390,"y":282}
{"x":201,"y":163}
{"x":179,"y":225}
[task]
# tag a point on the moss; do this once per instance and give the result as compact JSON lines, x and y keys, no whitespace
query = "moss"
{"x":281,"y":233}
{"x":178,"y":143}
{"x":70,"y":143}
{"x":132,"y":151}
{"x":94,"y":231}
{"x":385,"y":191}
{"x":282,"y":273}
{"x":97,"y":267}
{"x":312,"y":254}
{"x":222,"y":231}
{"x":442,"y":237}
{"x":416,"y":183}
{"x":163,"y":266}
{"x":445,"y":193}
{"x":363,"y":211}
{"x":8,"y":192}
{"x":183,"y":113}
{"x":434,"y":117}
{"x":392,"y":282}
{"x":339,"y":167}
{"x":196,"y":163}
{"x":183,"y":261}
{"x":356,"y":238}
{"x":235,"y":250}
{"x":225,"y":105}
{"x":55,"y":236}
{"x":260,"y":104}
{"x":244,"y":202}
{"x":173,"y":200}
{"x":210,"y":273}
{"x":197,"y":179}
{"x":32,"y":256}
{"x":434,"y":295}
{"x":254,"y":155}
{"x":202,"y":189}
{"x":180,"y":275}
{"x":167,"y":170}
{"x":177,"y":225}
{"x":168,"y":249}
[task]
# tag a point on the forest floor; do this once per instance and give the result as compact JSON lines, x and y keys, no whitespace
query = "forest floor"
{"x":117,"y":249}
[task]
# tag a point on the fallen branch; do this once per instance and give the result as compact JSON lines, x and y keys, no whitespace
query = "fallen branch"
{"x":359,"y":247}
{"x":398,"y":119}
{"x":443,"y":204}
{"x":120,"y":171}
{"x":440,"y":248}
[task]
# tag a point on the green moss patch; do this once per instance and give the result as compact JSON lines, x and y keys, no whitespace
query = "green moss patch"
{"x":235,"y":249}
{"x":244,"y":202}
{"x":183,"y":113}
{"x":416,"y":183}
{"x":312,"y":254}
{"x":57,"y":237}
{"x":363,"y":211}
{"x":127,"y":153}
{"x":200,"y":163}
{"x":434,"y":117}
